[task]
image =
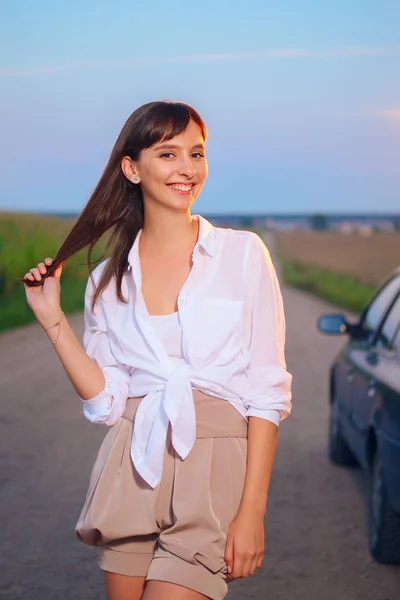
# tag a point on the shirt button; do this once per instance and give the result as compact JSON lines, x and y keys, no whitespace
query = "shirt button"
{"x":136,"y":456}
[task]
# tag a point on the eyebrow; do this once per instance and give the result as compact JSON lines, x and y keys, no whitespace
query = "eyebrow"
{"x":172,"y":147}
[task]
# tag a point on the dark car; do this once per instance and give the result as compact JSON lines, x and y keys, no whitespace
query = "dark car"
{"x":364,"y":425}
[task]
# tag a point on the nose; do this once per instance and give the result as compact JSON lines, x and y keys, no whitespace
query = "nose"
{"x":186,"y":167}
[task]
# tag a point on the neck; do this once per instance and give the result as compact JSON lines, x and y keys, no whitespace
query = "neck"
{"x":169,"y":232}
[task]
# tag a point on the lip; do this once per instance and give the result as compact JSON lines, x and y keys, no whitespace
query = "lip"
{"x":180,"y":183}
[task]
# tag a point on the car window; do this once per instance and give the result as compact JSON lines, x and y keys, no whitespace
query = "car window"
{"x":395,"y":343}
{"x":389,"y":329}
{"x":379,"y":306}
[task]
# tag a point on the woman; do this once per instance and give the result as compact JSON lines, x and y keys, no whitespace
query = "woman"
{"x":183,"y":355}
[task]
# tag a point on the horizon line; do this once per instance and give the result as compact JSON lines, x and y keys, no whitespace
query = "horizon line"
{"x":326,"y":213}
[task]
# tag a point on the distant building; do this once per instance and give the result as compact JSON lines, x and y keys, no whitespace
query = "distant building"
{"x":344,"y":227}
{"x":386,"y":226}
{"x":343,"y":224}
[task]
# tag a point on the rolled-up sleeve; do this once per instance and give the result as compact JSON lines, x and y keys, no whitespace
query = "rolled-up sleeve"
{"x":268,"y":384}
{"x":108,"y":406}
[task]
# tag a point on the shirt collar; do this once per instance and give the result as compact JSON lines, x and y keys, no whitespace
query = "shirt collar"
{"x":206,"y":239}
{"x":206,"y":235}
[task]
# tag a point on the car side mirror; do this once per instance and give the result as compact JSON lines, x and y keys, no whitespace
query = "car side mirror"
{"x":333,"y":324}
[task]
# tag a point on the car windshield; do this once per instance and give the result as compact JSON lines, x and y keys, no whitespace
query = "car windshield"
{"x":379,"y":306}
{"x":389,"y":331}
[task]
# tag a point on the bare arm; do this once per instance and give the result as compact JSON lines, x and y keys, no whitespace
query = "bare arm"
{"x":101,"y":381}
{"x":245,"y":544}
{"x":262,"y":437}
{"x":267,"y":398}
{"x":84,"y":374}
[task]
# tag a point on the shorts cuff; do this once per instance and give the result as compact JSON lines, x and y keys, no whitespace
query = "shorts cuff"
{"x":173,"y":569}
{"x":123,"y":563}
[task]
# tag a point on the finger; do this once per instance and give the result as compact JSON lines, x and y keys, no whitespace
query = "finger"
{"x":42,"y":268}
{"x":247,"y":567}
{"x":254,"y":565}
{"x":29,"y":276}
{"x":48,"y":261}
{"x":58,"y":271}
{"x":36,"y":274}
{"x":260,"y":561}
{"x":229,"y":554}
{"x":238,"y":563}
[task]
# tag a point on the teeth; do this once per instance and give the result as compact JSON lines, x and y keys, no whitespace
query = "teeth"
{"x":181,"y":187}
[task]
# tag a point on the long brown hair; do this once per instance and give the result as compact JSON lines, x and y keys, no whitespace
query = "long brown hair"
{"x":116,"y":204}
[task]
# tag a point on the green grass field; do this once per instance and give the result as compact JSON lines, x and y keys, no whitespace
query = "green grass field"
{"x":26,"y":240}
{"x":345,"y":270}
{"x":338,"y":289}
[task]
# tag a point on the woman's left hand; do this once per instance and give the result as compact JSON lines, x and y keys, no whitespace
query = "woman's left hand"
{"x":244,"y":550}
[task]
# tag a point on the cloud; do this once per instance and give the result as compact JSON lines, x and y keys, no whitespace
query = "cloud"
{"x":277,"y":54}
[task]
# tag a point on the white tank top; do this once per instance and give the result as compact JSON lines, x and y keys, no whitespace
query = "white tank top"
{"x":169,"y":331}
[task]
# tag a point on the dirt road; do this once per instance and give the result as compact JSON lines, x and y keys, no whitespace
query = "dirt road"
{"x":316,"y":546}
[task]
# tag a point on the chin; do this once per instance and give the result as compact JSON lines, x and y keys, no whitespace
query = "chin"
{"x":181,"y":202}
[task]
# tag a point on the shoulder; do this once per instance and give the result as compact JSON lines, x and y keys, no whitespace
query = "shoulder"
{"x":238,"y":236}
{"x":249,"y":243}
{"x":239,"y":239}
{"x":95,"y":277}
{"x":98,"y":271}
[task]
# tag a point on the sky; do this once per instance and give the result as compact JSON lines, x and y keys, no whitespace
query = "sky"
{"x":301,"y":98}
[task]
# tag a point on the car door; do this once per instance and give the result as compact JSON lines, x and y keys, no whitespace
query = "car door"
{"x":367,"y":361}
{"x":377,"y":392}
{"x":388,"y":418}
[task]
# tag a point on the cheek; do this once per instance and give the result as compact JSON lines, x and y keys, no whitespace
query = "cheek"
{"x":203,"y":170}
{"x":156,"y":175}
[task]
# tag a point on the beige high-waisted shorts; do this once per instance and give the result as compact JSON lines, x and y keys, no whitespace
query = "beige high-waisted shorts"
{"x":177,"y":531}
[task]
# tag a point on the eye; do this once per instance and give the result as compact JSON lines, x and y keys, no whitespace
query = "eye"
{"x":166,"y":155}
{"x":198,"y":154}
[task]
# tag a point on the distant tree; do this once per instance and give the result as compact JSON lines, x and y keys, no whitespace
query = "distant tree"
{"x":247,"y":221}
{"x":319,"y":222}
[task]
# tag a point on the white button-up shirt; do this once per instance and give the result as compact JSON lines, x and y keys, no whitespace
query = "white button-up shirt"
{"x":233,"y":336}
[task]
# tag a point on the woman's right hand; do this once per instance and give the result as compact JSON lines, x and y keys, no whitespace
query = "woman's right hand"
{"x":44,"y":300}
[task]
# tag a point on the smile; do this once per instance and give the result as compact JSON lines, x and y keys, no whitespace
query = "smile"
{"x":181,"y":187}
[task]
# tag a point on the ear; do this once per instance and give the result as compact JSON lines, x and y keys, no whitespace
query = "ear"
{"x":129,"y":169}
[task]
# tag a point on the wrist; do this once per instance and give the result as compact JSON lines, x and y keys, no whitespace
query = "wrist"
{"x":51,"y":317}
{"x":252,"y":509}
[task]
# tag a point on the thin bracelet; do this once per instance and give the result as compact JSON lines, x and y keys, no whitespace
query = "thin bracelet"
{"x":55,"y":325}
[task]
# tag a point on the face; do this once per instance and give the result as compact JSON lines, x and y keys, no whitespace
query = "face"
{"x":171,"y":172}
